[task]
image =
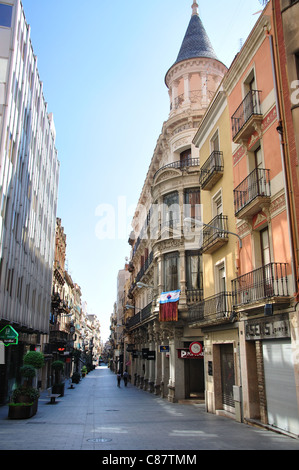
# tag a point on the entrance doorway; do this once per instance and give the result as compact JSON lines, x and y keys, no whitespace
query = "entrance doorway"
{"x":227,"y":376}
{"x":194,"y":378}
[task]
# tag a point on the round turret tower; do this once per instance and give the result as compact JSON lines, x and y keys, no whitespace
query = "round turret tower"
{"x":196,"y":74}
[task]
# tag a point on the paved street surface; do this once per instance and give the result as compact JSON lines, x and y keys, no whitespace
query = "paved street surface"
{"x":97,"y":415}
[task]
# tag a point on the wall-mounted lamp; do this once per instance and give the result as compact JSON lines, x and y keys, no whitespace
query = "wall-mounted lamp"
{"x":141,"y":284}
{"x":131,"y":307}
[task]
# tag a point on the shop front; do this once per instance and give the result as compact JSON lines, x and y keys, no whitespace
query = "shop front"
{"x":222,"y":372}
{"x":275,"y":371}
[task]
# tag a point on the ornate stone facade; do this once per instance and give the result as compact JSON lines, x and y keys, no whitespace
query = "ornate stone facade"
{"x":165,"y":251}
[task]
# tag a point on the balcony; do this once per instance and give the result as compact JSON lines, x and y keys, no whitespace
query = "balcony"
{"x":194,"y":295}
{"x":215,"y":234}
{"x":217,"y":309}
{"x":261,"y":285}
{"x":145,"y":267}
{"x":247,"y":118}
{"x":139,"y":317}
{"x":252,"y":194}
{"x":182,"y":165}
{"x":211,"y":171}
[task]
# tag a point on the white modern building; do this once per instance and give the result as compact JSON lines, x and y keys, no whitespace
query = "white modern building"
{"x":29,"y":172}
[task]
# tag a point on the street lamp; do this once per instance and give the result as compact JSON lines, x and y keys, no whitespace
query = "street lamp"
{"x":128,"y":307}
{"x":141,"y":284}
{"x":189,"y":219}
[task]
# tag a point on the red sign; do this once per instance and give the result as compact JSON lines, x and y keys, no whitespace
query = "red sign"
{"x":187,"y":354}
{"x":195,"y":348}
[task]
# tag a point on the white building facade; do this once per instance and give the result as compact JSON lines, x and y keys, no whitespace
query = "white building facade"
{"x":29,"y":173}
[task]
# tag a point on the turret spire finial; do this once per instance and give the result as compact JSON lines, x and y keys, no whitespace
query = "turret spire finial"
{"x":194,"y":8}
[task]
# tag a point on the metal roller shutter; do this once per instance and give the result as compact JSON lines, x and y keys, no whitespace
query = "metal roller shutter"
{"x":280,"y":386}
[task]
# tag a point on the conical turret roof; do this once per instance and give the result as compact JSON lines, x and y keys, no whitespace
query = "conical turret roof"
{"x":196,"y":42}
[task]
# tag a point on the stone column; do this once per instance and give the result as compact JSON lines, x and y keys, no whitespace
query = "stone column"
{"x":151,"y":363}
{"x":186,"y":90}
{"x":158,"y":362}
{"x":176,"y":385}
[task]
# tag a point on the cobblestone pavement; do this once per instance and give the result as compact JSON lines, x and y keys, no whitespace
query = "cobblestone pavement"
{"x":98,"y":415}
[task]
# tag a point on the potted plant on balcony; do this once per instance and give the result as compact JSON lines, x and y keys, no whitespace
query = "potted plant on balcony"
{"x":58,"y":387}
{"x":25,"y":398}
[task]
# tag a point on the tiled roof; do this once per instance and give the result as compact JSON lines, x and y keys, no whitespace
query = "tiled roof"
{"x":196,"y":42}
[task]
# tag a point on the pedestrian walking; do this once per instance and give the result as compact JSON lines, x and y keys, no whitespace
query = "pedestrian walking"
{"x":126,"y":375}
{"x":118,"y":379}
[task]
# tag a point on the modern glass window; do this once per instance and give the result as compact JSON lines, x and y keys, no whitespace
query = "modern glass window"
{"x":5,"y":15}
{"x":171,"y":272}
{"x":193,"y":270}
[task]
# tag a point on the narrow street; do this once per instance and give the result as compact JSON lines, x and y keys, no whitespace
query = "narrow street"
{"x":97,"y":415}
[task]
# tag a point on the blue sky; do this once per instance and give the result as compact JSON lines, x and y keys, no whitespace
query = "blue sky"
{"x":103,"y":65}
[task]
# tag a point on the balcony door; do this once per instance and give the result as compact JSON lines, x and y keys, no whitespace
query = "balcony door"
{"x":185,"y":157}
{"x":214,"y":143}
{"x":266,"y":263}
{"x":221,"y":299}
{"x":265,"y":246}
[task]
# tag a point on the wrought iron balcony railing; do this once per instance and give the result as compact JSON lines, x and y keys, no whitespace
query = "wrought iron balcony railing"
{"x":215,"y":309}
{"x":261,"y":284}
{"x":215,"y":234}
{"x":145,"y":267}
{"x":139,"y":317}
{"x":255,"y":185}
{"x":249,"y":107}
{"x":212,"y":170}
{"x":180,"y":165}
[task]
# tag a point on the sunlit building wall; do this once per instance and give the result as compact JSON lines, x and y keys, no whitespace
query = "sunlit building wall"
{"x":29,"y":175}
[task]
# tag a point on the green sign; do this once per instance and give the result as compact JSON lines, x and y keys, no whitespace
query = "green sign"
{"x":9,"y":336}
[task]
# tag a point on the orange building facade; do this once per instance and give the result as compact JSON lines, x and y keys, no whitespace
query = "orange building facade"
{"x":265,"y":285}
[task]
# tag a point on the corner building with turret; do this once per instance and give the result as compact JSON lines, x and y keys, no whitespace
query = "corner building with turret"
{"x":166,"y":240}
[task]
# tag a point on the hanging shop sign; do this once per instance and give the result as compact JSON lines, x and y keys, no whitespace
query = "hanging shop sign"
{"x":9,"y":336}
{"x":151,"y":355}
{"x":187,"y":354}
{"x":164,"y":349}
{"x":144,"y":353}
{"x":196,"y":348}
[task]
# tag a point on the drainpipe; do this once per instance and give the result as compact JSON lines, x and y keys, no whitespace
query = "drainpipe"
{"x":283,"y":160}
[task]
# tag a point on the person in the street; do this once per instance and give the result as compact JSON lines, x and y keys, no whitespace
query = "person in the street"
{"x":118,"y":379}
{"x":126,"y":375}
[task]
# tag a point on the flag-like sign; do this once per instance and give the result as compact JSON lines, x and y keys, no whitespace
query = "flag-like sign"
{"x":168,"y":310}
{"x":9,"y":336}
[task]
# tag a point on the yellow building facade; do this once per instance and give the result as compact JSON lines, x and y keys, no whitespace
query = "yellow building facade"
{"x":220,"y":253}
